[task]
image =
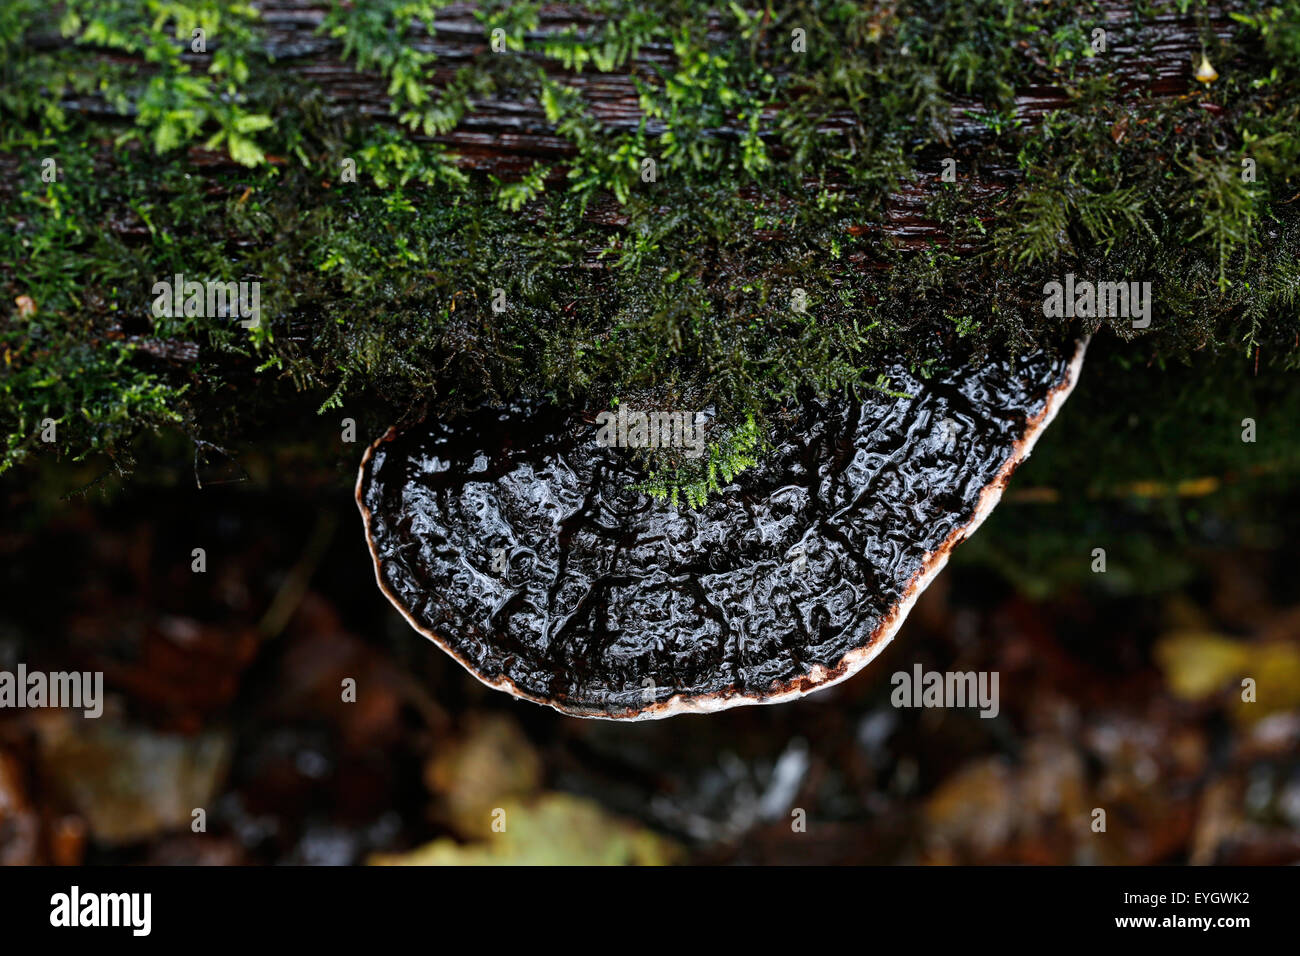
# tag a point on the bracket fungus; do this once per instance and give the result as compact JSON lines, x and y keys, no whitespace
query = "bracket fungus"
{"x":520,"y":545}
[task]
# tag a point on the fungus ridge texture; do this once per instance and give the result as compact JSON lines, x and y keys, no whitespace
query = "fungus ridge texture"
{"x":515,"y":541}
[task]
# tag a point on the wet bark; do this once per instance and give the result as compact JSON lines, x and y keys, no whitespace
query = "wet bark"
{"x":504,"y":136}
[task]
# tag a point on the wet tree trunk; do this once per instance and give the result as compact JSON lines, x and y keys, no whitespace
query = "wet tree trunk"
{"x":504,"y":136}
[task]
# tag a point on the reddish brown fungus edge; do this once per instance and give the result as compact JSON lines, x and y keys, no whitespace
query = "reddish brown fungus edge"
{"x":819,"y":677}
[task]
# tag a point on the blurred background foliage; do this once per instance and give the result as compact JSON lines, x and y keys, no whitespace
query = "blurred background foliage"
{"x":1119,"y":690}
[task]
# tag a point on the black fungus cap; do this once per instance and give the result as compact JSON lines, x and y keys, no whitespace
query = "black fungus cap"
{"x":515,"y":541}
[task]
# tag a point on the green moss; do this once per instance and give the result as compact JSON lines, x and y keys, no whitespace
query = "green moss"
{"x":723,"y":461}
{"x":382,"y":290}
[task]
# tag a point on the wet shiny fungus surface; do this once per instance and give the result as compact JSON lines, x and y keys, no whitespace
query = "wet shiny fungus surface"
{"x":513,"y":539}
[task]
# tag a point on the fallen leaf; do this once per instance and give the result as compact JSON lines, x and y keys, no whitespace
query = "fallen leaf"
{"x":554,"y":829}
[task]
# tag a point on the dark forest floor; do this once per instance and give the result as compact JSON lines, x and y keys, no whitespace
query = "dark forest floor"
{"x":1118,"y":691}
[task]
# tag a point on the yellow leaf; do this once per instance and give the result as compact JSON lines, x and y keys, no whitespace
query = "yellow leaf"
{"x":1197,"y":665}
{"x":555,"y":829}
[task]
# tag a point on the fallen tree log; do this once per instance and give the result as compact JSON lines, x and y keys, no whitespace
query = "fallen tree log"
{"x":918,"y":171}
{"x":503,"y":135}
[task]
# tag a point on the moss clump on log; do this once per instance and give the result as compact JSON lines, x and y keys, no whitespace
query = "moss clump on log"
{"x":798,"y":146}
